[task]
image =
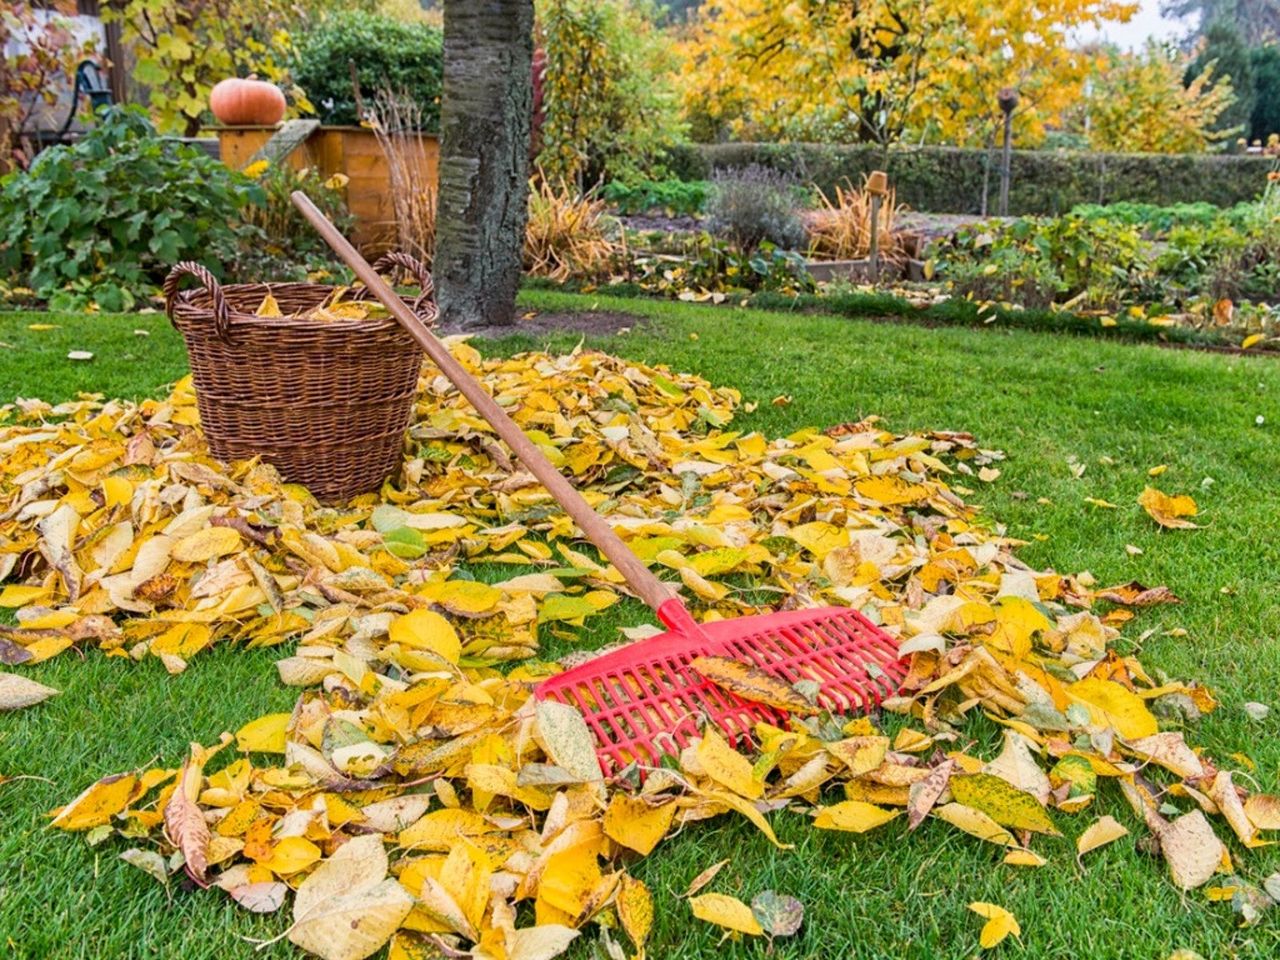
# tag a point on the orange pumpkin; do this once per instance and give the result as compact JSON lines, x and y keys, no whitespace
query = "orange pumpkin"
{"x":237,"y":102}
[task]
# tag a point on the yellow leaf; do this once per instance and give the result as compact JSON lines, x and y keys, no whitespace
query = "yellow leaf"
{"x":854,"y":816}
{"x":635,"y":824}
{"x":1103,"y":831}
{"x":97,"y":804}
{"x":440,"y":830}
{"x":268,"y":307}
{"x":1000,"y":923}
{"x":207,"y":544}
{"x":264,"y":735}
{"x":17,"y":595}
{"x":819,"y":537}
{"x":635,"y":910}
{"x":1024,"y":858}
{"x":726,"y":766}
{"x":426,"y":630}
{"x":1111,"y":704}
{"x":974,"y":822}
{"x":751,"y":683}
{"x":860,"y":755}
{"x":1017,"y":620}
{"x":1252,"y":340}
{"x":725,"y":911}
{"x":1002,"y":802}
{"x":1263,"y":810}
{"x":1168,"y":511}
{"x":290,"y":855}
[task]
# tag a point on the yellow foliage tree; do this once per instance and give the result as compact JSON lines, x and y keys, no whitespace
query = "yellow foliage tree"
{"x":1137,"y":103}
{"x":883,"y":70}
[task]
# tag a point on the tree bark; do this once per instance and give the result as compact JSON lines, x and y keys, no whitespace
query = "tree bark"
{"x":484,"y":159}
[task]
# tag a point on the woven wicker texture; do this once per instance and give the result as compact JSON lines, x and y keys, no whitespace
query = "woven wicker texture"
{"x":326,"y":402}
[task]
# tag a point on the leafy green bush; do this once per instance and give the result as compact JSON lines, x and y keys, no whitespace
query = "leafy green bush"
{"x":104,"y":219}
{"x":290,"y":245}
{"x":709,"y":268}
{"x":1154,"y":220}
{"x":404,"y":57}
{"x":1036,"y":261}
{"x":675,"y":197}
{"x":608,"y":91}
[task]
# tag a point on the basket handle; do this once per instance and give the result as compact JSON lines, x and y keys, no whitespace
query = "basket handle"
{"x":415,"y":268}
{"x":189,"y":268}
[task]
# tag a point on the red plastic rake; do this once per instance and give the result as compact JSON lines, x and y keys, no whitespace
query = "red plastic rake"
{"x":644,"y":699}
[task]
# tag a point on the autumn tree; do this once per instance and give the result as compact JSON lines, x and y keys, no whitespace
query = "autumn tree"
{"x":1223,"y":48}
{"x":884,"y":70}
{"x":1137,"y":103}
{"x":484,"y":158}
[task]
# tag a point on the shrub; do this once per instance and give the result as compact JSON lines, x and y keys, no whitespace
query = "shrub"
{"x":704,"y":267}
{"x":674,"y":197}
{"x":290,"y":243}
{"x":106,"y":217}
{"x":950,"y":179}
{"x":608,"y":102}
{"x":567,"y":235}
{"x":388,"y":53}
{"x":1036,"y":262}
{"x":755,"y":204}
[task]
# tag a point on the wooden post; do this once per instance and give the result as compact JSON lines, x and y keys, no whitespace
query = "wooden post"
{"x":878,"y":187}
{"x":1008,"y":99}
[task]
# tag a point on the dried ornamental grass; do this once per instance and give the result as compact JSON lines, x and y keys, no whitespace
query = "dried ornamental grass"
{"x":568,"y":234}
{"x":841,"y":229}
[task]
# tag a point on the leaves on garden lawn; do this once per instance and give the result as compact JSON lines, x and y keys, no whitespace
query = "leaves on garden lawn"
{"x":727,"y":912}
{"x":779,"y":914}
{"x":17,"y":691}
{"x":635,"y":910}
{"x":454,"y":792}
{"x":1168,"y":511}
{"x":184,"y":822}
{"x":1102,"y":831}
{"x":705,"y":877}
{"x":1000,"y":923}
{"x":1191,"y":849}
{"x":149,"y":862}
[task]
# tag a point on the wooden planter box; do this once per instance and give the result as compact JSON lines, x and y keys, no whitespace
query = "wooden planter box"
{"x":352,"y":151}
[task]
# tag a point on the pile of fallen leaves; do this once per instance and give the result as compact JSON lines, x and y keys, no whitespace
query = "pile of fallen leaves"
{"x":418,"y":795}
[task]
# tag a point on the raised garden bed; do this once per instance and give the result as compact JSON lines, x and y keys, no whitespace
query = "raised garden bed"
{"x":351,"y":151}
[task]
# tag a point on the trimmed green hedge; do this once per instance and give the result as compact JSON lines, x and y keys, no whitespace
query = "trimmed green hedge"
{"x":949,"y":179}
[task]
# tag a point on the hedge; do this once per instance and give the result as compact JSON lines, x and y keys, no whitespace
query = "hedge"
{"x":949,"y":179}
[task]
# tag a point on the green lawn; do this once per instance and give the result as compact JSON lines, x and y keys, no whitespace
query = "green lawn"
{"x":1044,"y":399}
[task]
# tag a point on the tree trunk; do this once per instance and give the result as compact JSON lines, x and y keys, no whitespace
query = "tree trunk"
{"x":484,"y":159}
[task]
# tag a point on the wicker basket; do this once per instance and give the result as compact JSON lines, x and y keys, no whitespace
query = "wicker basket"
{"x":326,"y":402}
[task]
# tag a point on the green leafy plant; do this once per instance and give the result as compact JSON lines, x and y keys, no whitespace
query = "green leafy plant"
{"x":388,"y":54}
{"x":290,"y":244}
{"x":673,"y":197}
{"x":103,"y":219}
{"x":1038,"y":261}
{"x":704,"y":267}
{"x":608,"y":99}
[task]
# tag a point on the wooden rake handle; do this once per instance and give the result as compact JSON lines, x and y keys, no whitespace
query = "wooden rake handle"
{"x":649,"y":588}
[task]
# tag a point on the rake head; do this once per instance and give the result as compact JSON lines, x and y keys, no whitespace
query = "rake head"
{"x":644,"y":699}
